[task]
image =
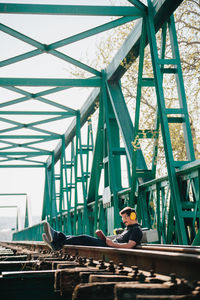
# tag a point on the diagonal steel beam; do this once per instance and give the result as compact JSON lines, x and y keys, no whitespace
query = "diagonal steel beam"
{"x":130,"y":48}
{"x":129,"y":51}
{"x":42,"y":48}
{"x":138,"y":4}
{"x":38,"y":97}
{"x":90,"y":32}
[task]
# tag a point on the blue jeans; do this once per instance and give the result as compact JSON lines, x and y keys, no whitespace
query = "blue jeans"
{"x":81,"y":240}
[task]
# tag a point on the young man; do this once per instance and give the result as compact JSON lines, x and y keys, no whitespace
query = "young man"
{"x":129,"y":238}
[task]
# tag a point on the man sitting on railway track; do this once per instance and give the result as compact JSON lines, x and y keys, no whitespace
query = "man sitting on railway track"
{"x":129,"y":238}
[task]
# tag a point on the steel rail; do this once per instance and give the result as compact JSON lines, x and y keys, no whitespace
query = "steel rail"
{"x":172,"y":248}
{"x":147,"y":257}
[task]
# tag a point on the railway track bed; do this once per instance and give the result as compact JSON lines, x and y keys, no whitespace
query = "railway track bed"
{"x":29,"y":270}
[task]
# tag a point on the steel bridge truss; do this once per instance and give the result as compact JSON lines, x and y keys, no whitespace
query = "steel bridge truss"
{"x":84,"y":187}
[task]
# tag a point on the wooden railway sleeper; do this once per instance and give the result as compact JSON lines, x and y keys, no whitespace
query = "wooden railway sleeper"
{"x":80,"y":277}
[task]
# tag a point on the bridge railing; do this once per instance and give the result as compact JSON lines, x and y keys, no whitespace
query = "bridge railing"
{"x":154,"y":209}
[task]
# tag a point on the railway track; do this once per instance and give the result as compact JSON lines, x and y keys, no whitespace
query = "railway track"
{"x":29,"y":270}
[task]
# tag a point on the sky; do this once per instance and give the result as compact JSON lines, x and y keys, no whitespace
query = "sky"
{"x":44,"y":29}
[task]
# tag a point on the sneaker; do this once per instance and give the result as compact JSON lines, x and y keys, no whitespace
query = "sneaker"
{"x":51,"y":237}
{"x":53,"y":246}
{"x":51,"y":234}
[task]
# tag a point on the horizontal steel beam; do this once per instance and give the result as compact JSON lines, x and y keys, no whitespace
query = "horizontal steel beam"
{"x":38,"y":113}
{"x":39,"y":153}
{"x":80,"y":10}
{"x":13,"y":194}
{"x":36,"y":137}
{"x":89,"y":82}
{"x":42,"y":165}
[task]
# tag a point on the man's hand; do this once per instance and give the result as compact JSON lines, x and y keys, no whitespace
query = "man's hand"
{"x":110,"y":243}
{"x":129,"y":245}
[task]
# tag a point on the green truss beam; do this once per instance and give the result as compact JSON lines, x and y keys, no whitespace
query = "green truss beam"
{"x":83,"y":10}
{"x":43,"y":48}
{"x":36,"y":96}
{"x":36,"y":113}
{"x":44,"y":137}
{"x":138,"y":4}
{"x":89,"y":82}
{"x":90,"y":32}
{"x":130,"y":49}
{"x":115,"y":70}
{"x":87,"y":109}
{"x":22,"y":166}
{"x":31,"y":153}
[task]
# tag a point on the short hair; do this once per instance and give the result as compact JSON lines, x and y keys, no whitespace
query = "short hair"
{"x":127,"y":210}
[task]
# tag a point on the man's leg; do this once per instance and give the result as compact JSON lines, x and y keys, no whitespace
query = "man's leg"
{"x":53,"y":238}
{"x":56,"y":239}
{"x":84,"y":240}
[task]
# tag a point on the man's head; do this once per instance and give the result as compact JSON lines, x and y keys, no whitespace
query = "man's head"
{"x":128,"y":215}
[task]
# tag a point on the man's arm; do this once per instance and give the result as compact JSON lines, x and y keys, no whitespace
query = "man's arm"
{"x":129,"y":245}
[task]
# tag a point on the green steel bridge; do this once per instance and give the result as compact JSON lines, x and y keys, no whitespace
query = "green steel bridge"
{"x":84,"y":172}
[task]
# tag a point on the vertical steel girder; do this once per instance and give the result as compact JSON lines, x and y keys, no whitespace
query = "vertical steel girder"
{"x":164,"y":119}
{"x":74,"y":172}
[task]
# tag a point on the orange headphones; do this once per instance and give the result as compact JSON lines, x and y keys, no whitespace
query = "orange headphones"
{"x":133,"y":216}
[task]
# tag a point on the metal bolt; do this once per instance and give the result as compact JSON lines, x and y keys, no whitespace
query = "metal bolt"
{"x":152,"y":273}
{"x":67,"y":256}
{"x":121,"y":270}
{"x":173,"y":278}
{"x":91,"y":263}
{"x":121,"y":266}
{"x":76,"y":258}
{"x":111,"y":266}
{"x":80,"y":260}
{"x":141,"y":277}
{"x":101,"y":265}
{"x":135,"y":270}
{"x":84,"y":259}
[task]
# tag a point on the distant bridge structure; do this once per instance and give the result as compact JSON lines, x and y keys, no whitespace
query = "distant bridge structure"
{"x":84,"y":188}
{"x":7,"y":199}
